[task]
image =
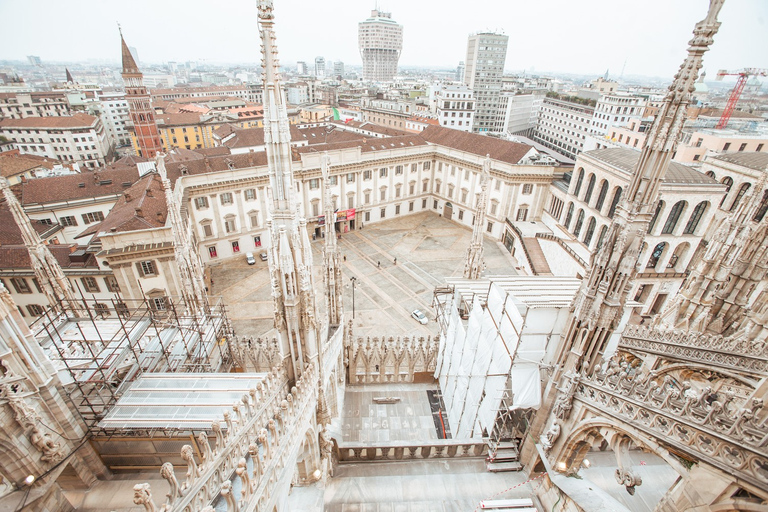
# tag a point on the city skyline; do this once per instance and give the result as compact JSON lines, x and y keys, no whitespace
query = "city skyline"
{"x":330,"y":29}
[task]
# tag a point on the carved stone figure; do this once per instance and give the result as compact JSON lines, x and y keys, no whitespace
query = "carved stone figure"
{"x":205,"y":446}
{"x":242,"y":472}
{"x":42,"y":441}
{"x":628,"y":479}
{"x":226,"y":491}
{"x":549,"y":438}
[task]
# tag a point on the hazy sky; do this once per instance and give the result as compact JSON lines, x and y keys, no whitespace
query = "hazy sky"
{"x":576,"y":36}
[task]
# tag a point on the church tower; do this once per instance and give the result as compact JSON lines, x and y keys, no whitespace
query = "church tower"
{"x":290,"y":255}
{"x":599,"y":305}
{"x":475,"y":264}
{"x":142,"y":115}
{"x":331,"y":265}
{"x":55,"y":285}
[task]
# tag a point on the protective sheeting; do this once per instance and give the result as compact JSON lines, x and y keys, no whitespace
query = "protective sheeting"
{"x":526,"y":386}
{"x":475,"y":367}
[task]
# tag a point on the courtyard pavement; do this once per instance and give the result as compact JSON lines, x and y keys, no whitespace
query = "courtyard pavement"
{"x":428,"y":249}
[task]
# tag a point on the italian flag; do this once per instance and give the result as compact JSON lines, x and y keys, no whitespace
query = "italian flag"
{"x":337,"y":116}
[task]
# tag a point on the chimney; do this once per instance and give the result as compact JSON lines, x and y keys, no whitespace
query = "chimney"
{"x":72,"y":248}
{"x":139,"y":213}
{"x":127,"y":196}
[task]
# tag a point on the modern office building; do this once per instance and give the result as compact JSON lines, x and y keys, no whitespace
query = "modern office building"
{"x":486,"y":55}
{"x":380,"y":39}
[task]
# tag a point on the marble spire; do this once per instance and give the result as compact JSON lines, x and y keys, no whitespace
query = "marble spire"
{"x":187,"y":258}
{"x":599,"y":305}
{"x":55,"y":285}
{"x":331,"y":264}
{"x":475,"y":264}
{"x":289,"y":254}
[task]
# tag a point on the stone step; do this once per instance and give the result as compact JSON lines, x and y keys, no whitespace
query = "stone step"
{"x":519,"y":505}
{"x":504,"y":454}
{"x":498,"y":467}
{"x":506,"y":444}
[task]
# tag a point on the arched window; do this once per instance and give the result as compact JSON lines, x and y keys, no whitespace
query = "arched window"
{"x":590,"y":188}
{"x":579,"y":223}
{"x":693,"y":221}
{"x":601,"y":195}
{"x":590,"y":231}
{"x":711,"y":174}
{"x":601,"y":237}
{"x":568,"y":216}
{"x":728,"y":182}
{"x":656,"y":255}
{"x":659,"y":207}
{"x":742,"y":190}
{"x":673,"y":218}
{"x":762,"y":208}
{"x":579,"y":180}
{"x":678,"y":256}
{"x":615,"y":202}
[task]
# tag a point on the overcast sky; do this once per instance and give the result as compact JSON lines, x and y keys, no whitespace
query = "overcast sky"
{"x":573,"y":36}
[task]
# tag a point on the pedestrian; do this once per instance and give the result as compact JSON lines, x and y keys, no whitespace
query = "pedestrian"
{"x":345,"y":258}
{"x":395,"y":261}
{"x":378,"y":264}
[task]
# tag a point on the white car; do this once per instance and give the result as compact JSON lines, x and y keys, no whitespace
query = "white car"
{"x":419,"y":317}
{"x":250,"y":259}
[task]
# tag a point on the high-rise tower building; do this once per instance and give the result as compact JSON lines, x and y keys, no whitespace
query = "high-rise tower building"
{"x":319,"y":67}
{"x":484,"y":68}
{"x":381,"y":41}
{"x":142,"y":115}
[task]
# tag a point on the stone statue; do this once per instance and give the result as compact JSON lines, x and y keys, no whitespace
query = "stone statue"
{"x":549,"y":438}
{"x":42,"y":441}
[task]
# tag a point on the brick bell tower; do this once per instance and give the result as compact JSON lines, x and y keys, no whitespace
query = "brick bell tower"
{"x":142,"y":115}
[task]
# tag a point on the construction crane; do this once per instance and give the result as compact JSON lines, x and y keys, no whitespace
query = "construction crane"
{"x":743,"y":75}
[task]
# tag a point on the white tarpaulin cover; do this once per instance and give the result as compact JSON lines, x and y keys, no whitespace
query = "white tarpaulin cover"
{"x":526,"y":386}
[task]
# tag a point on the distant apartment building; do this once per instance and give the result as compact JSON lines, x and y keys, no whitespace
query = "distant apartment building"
{"x":338,"y":69}
{"x":297,"y":93}
{"x":486,"y":55}
{"x":521,"y":112}
{"x":251,"y":93}
{"x":301,"y":67}
{"x":460,"y":71}
{"x":115,"y":116}
{"x":455,"y":107}
{"x":19,"y":105}
{"x":380,"y":40}
{"x":563,"y":126}
{"x":79,"y":138}
{"x":616,"y":109}
{"x":319,"y":67}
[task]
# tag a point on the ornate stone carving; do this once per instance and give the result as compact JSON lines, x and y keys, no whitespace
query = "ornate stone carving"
{"x":549,"y":438}
{"x":142,"y":495}
{"x":167,"y":472}
{"x":188,"y":456}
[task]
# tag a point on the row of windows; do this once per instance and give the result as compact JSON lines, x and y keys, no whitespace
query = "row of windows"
{"x":226,"y":198}
{"x":89,"y":284}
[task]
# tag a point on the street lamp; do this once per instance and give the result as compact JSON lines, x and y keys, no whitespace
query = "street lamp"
{"x":353,"y":279}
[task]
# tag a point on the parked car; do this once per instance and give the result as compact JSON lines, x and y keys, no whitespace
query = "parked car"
{"x":419,"y":316}
{"x":263,"y":256}
{"x":250,"y":259}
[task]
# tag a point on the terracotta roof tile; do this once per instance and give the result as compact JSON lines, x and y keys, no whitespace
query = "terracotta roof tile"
{"x":99,"y":183}
{"x":73,"y":121}
{"x":11,"y":165}
{"x":504,"y":151}
{"x":142,"y":206}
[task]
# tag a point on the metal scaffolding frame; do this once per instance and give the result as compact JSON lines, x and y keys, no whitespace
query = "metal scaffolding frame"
{"x":103,"y":346}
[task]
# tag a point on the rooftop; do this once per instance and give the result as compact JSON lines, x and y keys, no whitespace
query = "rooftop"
{"x":757,"y":161}
{"x":73,"y":121}
{"x":13,"y":164}
{"x":626,"y":159}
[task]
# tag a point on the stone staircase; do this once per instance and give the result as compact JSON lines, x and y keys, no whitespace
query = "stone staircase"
{"x":505,"y":458}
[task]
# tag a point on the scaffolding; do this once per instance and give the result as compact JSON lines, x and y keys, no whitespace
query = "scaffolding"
{"x":104,"y":346}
